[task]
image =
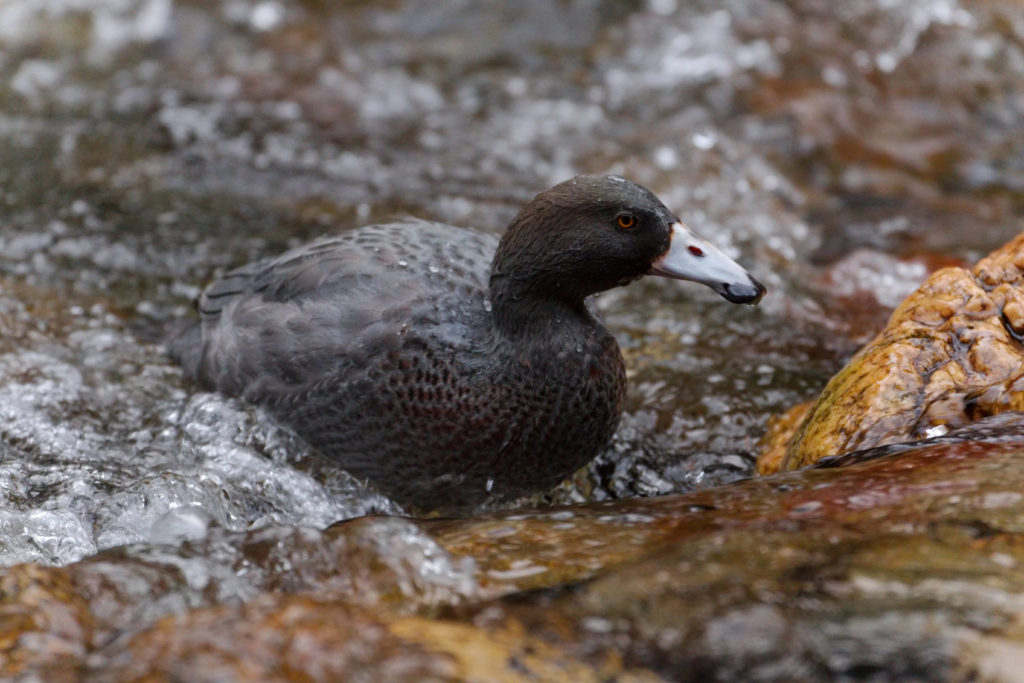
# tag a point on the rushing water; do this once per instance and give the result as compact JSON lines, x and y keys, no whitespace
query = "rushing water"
{"x":147,"y":145}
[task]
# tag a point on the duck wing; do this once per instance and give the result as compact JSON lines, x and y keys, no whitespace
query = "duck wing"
{"x":276,"y":327}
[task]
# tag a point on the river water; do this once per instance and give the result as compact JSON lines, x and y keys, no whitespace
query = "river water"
{"x":839,"y":152}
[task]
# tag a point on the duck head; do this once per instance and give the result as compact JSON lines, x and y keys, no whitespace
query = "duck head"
{"x":593,"y":233}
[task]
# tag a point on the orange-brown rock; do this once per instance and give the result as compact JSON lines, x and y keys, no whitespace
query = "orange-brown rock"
{"x":780,"y":431}
{"x":950,"y":354}
{"x":45,"y":625}
{"x":299,"y":638}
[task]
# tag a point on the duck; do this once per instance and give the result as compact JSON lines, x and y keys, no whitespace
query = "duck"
{"x":442,"y":364}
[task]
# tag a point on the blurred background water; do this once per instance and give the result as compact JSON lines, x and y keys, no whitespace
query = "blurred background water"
{"x":839,"y":151}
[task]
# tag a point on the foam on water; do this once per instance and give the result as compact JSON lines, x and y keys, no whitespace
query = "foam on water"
{"x":103,"y":448}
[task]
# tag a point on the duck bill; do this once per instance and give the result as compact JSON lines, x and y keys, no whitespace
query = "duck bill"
{"x":691,"y":258}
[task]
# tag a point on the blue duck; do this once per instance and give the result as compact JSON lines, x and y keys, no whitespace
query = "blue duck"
{"x":443,"y":365}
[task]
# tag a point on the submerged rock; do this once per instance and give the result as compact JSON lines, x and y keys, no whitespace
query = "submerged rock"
{"x":951,"y":353}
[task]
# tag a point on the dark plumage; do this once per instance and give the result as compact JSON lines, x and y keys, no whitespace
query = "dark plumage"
{"x":396,"y":351}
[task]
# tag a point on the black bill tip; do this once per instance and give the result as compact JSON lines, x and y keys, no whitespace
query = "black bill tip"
{"x":742,"y":293}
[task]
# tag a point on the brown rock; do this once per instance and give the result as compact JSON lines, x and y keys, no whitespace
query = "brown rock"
{"x":780,"y":431}
{"x":949,"y":355}
{"x":273,"y":638}
{"x":300,"y":638}
{"x":45,"y":626}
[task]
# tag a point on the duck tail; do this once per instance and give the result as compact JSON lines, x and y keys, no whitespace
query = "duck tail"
{"x":185,"y":347}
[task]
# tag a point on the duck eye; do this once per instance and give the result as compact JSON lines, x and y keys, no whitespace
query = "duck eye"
{"x":626,"y":221}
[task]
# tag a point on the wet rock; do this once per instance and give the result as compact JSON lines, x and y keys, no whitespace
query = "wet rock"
{"x":951,"y":353}
{"x":274,"y":604}
{"x":45,"y":624}
{"x":904,"y":567}
{"x":778,"y":435}
{"x":299,"y":638}
{"x":274,"y":638}
{"x":907,"y":563}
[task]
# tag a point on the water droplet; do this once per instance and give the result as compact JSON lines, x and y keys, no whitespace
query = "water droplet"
{"x":887,"y":61}
{"x":806,"y":508}
{"x":704,"y":140}
{"x":663,"y":7}
{"x":665,"y":157}
{"x":266,"y":16}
